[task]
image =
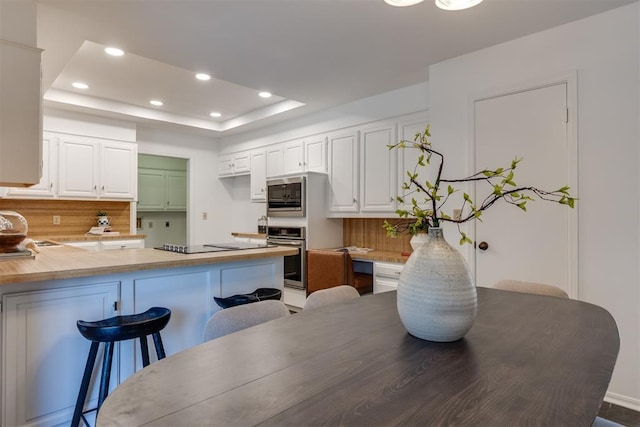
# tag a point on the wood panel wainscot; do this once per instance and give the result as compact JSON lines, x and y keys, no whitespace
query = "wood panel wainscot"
{"x":76,"y":216}
{"x":369,"y":233}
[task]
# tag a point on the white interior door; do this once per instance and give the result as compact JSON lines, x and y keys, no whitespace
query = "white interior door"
{"x":536,"y":245}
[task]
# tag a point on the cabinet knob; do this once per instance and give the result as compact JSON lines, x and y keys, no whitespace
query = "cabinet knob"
{"x":103,"y":188}
{"x":95,"y":187}
{"x":299,"y":163}
{"x":483,"y":246}
{"x":355,"y":201}
{"x":51,"y":185}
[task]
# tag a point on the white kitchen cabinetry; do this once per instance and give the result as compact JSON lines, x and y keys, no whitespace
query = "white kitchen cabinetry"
{"x":111,"y":245}
{"x":44,"y":354}
{"x":259,"y":176}
{"x":234,"y":164}
{"x":162,"y":190}
{"x":386,"y":276}
{"x":343,"y":173}
{"x":20,"y":112}
{"x":46,"y":188}
{"x":275,"y":160}
{"x":378,"y":167}
{"x":96,"y":169}
{"x":299,"y":156}
{"x":108,"y":245}
{"x":408,"y":158}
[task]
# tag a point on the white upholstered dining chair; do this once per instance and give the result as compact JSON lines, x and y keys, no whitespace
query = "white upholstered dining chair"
{"x":330,"y":296}
{"x":243,"y":316}
{"x":530,"y":288}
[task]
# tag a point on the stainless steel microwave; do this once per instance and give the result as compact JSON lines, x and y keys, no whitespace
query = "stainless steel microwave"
{"x":286,"y":196}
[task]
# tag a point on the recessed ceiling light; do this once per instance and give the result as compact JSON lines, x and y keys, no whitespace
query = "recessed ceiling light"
{"x":80,"y":85}
{"x":402,"y":3}
{"x":156,"y":102}
{"x":215,"y":114}
{"x":265,"y":95}
{"x":456,"y":4}
{"x":202,"y":76}
{"x":114,"y":51}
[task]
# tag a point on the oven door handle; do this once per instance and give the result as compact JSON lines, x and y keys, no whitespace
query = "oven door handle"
{"x":285,"y":243}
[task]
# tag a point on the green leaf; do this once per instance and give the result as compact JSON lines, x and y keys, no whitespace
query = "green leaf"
{"x":451,"y":190}
{"x":464,"y":239}
{"x":466,"y":197}
{"x":522,"y":206}
{"x":497,"y":190}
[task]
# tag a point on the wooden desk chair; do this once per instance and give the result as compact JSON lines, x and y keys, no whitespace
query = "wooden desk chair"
{"x":243,"y":316}
{"x":530,"y":288}
{"x":329,"y":268}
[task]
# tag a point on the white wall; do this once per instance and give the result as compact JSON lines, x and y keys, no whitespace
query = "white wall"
{"x":604,"y":51}
{"x":206,"y":192}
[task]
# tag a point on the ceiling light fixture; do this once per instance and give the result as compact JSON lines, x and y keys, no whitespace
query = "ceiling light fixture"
{"x":456,"y":4}
{"x":265,"y":95}
{"x":402,"y":3}
{"x":202,"y":76}
{"x":114,"y":51}
{"x":215,"y":114}
{"x":156,"y":102}
{"x":80,"y":85}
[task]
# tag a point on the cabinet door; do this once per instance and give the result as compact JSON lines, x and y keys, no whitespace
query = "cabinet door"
{"x":44,"y":354}
{"x":151,"y":190}
{"x":241,"y":164}
{"x":343,"y":172}
{"x":118,"y":171}
{"x":188,"y":296}
{"x":225,"y":166}
{"x":408,"y":159}
{"x":294,"y":157}
{"x":20,"y":113}
{"x":176,"y":191}
{"x":46,"y":187}
{"x":316,"y":155}
{"x":77,"y":168}
{"x":378,"y":169}
{"x":259,"y":176}
{"x":275,"y":161}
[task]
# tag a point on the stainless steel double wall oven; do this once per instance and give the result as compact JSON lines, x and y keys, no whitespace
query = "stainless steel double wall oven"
{"x":294,"y":265}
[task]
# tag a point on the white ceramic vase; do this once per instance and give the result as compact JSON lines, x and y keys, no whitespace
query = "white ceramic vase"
{"x":437,"y":298}
{"x":418,"y":240}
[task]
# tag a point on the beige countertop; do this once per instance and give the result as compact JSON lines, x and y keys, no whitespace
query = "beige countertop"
{"x":65,"y":262}
{"x":384,"y":256}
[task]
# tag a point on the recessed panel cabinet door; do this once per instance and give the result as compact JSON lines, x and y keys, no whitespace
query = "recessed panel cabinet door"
{"x":44,"y":354}
{"x":378,"y":169}
{"x":343,"y":172}
{"x":77,"y":172}
{"x":118,"y":170}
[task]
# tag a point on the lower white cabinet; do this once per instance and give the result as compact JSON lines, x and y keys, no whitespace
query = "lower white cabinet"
{"x":108,"y":245}
{"x":386,"y":276}
{"x":44,"y":354}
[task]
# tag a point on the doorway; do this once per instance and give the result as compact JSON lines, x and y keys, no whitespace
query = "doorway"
{"x":541,"y":244}
{"x":162,"y":199}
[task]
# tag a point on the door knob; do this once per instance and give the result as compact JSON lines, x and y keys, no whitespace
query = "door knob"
{"x":483,"y":246}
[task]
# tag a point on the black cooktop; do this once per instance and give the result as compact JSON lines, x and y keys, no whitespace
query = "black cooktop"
{"x":211,"y":247}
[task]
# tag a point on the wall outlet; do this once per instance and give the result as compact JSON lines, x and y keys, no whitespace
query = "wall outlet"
{"x":150,"y":225}
{"x":56,"y":220}
{"x":457,"y":213}
{"x":167,"y":224}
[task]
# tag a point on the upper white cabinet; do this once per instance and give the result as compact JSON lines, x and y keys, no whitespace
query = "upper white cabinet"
{"x":234,"y":164}
{"x":20,"y":97}
{"x":378,"y":167}
{"x":259,"y":176}
{"x":77,"y":167}
{"x":162,"y":190}
{"x":96,"y":169}
{"x":343,"y":172}
{"x":299,"y":156}
{"x":408,"y":157}
{"x":47,"y":187}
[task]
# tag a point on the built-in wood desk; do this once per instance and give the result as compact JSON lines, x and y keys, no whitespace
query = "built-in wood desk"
{"x":528,"y":360}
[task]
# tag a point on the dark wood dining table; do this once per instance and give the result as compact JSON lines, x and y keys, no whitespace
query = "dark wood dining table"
{"x":528,"y":360}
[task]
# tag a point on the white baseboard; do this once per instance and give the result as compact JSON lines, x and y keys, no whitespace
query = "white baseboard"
{"x":620,"y":400}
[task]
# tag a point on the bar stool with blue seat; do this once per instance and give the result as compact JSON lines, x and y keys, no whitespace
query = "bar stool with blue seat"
{"x":109,"y":331}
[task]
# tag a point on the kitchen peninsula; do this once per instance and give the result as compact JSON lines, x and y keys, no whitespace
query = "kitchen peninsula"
{"x":43,"y":354}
